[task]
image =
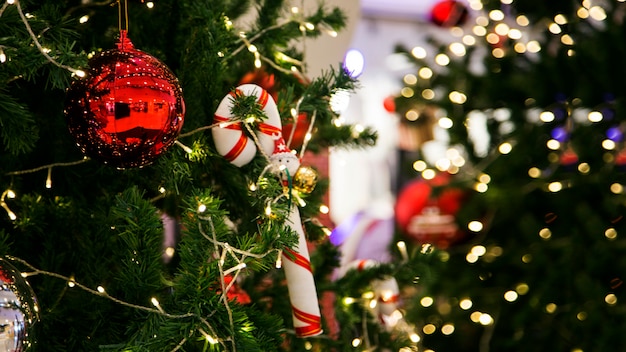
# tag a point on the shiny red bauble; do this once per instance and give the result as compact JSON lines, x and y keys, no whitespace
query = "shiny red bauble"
{"x":127,"y":110}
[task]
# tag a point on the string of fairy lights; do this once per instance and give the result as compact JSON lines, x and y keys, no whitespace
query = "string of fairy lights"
{"x":225,"y":250}
{"x":493,"y":26}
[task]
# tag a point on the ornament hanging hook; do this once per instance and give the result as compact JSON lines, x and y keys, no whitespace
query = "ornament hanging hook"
{"x":119,"y":17}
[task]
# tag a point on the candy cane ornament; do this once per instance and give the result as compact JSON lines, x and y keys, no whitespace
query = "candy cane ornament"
{"x":239,"y":149}
{"x":386,"y":290}
{"x":231,"y":141}
{"x":296,"y":262}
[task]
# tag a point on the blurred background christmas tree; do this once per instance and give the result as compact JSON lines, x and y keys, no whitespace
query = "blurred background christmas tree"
{"x":519,"y":221}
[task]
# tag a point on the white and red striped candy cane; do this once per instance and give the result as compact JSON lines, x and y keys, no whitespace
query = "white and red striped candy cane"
{"x":236,"y":147}
{"x":231,"y":141}
{"x":307,"y":319}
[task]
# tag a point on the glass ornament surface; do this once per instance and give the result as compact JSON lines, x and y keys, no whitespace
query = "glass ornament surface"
{"x":18,"y":309}
{"x":305,"y":180}
{"x":127,"y":110}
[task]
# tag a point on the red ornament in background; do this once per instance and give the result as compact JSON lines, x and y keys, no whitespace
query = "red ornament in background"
{"x":301,"y":125}
{"x":449,"y":13}
{"x":127,"y":110}
{"x":569,"y":157}
{"x":390,"y":103}
{"x":427,"y":218}
{"x":236,"y":293}
{"x":262,"y":79}
{"x":620,"y":158}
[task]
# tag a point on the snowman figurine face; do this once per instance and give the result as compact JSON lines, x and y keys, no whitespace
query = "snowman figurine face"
{"x":285,"y":162}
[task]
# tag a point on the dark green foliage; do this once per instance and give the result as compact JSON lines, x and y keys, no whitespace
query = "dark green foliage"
{"x":99,"y":226}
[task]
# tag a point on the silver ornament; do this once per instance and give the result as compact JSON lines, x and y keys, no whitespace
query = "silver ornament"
{"x":18,"y":309}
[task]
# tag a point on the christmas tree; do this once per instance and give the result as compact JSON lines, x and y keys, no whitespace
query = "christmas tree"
{"x":530,"y":94}
{"x":149,"y":196}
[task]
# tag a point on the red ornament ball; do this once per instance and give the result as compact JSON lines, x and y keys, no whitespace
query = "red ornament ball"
{"x":390,"y":104}
{"x":568,"y":158}
{"x":449,"y":13}
{"x":620,"y":158}
{"x":128,"y":109}
{"x":427,"y":218}
{"x":262,"y":79}
{"x":296,"y":131}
